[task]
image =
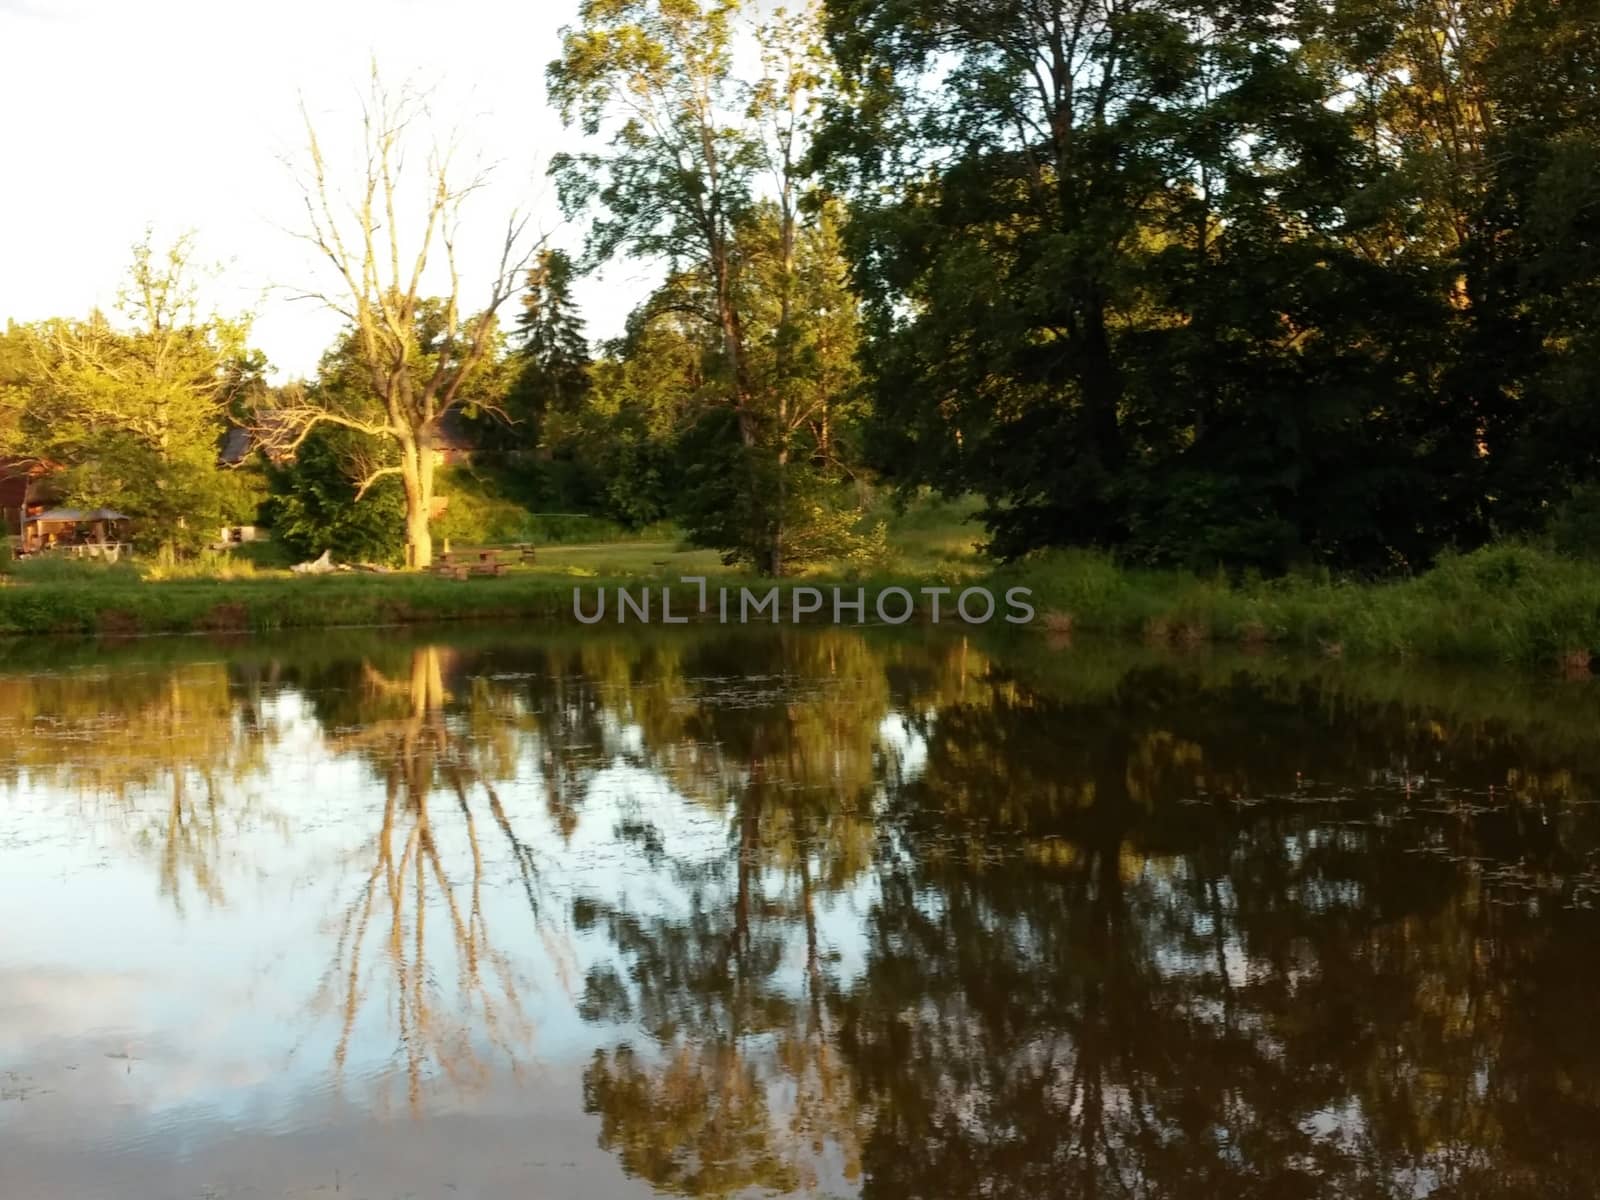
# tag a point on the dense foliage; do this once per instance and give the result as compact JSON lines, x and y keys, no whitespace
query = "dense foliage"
{"x":1224,"y":280}
{"x":707,"y":171}
{"x":314,"y":505}
{"x":1251,"y":283}
{"x":133,"y":414}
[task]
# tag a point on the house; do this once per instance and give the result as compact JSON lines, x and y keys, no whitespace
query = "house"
{"x":456,"y":439}
{"x":229,"y":536}
{"x":23,"y":487}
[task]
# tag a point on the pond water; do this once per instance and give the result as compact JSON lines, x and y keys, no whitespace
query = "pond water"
{"x":489,"y":913}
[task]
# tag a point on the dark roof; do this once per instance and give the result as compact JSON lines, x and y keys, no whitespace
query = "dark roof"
{"x":236,"y":444}
{"x":456,"y":431}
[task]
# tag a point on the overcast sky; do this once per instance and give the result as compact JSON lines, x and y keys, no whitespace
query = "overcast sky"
{"x":178,"y":114}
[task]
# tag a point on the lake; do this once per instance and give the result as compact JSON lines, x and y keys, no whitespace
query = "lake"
{"x":498,"y":913}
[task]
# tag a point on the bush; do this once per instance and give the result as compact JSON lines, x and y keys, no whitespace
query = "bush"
{"x":475,"y":515}
{"x":1575,"y":525}
{"x":313,"y":506}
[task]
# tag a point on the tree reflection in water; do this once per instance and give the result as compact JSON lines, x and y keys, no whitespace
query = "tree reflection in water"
{"x":1171,"y":938}
{"x":1007,"y":926}
{"x":167,"y":758}
{"x":434,"y":769}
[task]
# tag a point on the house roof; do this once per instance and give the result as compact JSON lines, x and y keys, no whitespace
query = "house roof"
{"x":68,"y":516}
{"x":236,"y":444}
{"x":16,"y":474}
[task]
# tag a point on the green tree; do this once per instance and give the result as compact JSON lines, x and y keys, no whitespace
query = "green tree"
{"x":550,"y":350}
{"x":644,"y":387}
{"x":1120,"y":269}
{"x":314,"y":505}
{"x":1488,"y":115}
{"x":707,"y":174}
{"x":137,"y":414}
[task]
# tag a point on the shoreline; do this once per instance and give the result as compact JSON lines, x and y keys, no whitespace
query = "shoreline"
{"x":1509,"y":605}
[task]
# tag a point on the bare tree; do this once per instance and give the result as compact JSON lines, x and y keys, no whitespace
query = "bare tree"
{"x":379,"y":292}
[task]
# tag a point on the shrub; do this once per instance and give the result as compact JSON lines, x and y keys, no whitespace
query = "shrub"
{"x":1575,"y":524}
{"x":313,"y":506}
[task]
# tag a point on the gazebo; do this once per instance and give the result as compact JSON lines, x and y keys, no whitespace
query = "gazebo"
{"x":91,"y":531}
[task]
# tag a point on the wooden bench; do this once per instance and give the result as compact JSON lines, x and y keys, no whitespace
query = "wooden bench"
{"x":448,"y":568}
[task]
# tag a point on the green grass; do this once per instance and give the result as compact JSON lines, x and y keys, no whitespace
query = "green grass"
{"x":1506,"y":604}
{"x":1509,"y":603}
{"x":933,"y":535}
{"x":490,"y":506}
{"x":664,"y":558}
{"x":117,"y":605}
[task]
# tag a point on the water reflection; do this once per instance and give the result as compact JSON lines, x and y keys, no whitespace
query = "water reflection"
{"x":810,"y":913}
{"x":382,"y":943}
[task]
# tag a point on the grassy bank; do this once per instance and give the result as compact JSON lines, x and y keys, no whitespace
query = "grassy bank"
{"x":1508,"y":604}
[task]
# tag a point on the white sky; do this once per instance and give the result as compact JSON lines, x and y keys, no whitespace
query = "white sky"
{"x":178,"y":114}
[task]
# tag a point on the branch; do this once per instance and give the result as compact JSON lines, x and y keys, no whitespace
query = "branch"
{"x":282,"y":431}
{"x":372,"y":478}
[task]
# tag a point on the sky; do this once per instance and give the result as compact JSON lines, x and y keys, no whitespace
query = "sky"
{"x":180,"y":115}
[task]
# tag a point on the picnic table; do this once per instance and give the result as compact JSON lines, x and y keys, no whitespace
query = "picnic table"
{"x":463,"y":564}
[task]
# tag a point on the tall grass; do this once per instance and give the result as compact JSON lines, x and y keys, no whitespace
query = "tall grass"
{"x":1508,"y":603}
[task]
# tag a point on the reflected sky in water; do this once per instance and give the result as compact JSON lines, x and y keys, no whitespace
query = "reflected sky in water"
{"x":489,"y":913}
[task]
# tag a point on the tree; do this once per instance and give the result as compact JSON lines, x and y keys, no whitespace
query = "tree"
{"x":380,"y":294}
{"x":657,"y":76}
{"x":136,"y":415}
{"x":551,"y":350}
{"x":708,"y":175}
{"x":1531,"y":267}
{"x":622,"y":440}
{"x":1218,"y":281}
{"x":16,"y":359}
{"x":679,"y":177}
{"x":1488,"y":115}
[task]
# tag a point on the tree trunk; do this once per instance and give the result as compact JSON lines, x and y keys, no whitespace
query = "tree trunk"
{"x":416,"y":473}
{"x":776,"y":556}
{"x":732,"y":338}
{"x":1102,"y":385}
{"x":786,"y":240}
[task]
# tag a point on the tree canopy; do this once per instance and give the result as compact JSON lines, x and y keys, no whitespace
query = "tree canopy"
{"x":1242,"y":283}
{"x":135,"y":412}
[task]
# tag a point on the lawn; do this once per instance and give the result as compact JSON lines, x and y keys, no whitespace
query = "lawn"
{"x":666,"y":558}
